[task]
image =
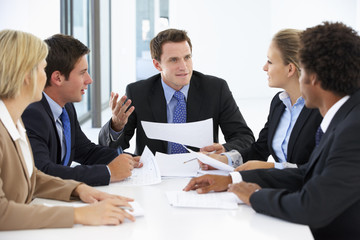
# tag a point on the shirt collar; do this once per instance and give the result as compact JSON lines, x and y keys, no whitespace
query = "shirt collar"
{"x":56,"y":109}
{"x":331,"y":113}
{"x":169,"y":92}
{"x":16,"y":131}
{"x":285,"y":98}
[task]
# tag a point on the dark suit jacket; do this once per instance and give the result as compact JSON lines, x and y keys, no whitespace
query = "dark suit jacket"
{"x":208,"y":97}
{"x":325,"y":192}
{"x":44,"y":139}
{"x":18,"y":189}
{"x":302,"y":138}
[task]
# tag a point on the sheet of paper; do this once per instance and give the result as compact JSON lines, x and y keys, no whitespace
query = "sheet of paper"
{"x":177,"y":165}
{"x":138,"y":211}
{"x":147,"y":175}
{"x":223,"y":200}
{"x":196,"y":134}
{"x":213,"y":172}
{"x":211,"y":161}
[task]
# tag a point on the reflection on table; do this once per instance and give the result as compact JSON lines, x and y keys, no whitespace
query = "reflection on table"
{"x":162,"y":221}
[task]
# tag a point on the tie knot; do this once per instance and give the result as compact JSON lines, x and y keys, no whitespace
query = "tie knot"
{"x":179,"y":95}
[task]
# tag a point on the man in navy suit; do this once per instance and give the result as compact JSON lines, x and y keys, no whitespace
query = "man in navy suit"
{"x":325,"y":192}
{"x":67,"y":80}
{"x":205,"y":96}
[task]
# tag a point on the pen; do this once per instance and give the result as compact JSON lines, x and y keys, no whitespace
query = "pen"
{"x":190,"y":160}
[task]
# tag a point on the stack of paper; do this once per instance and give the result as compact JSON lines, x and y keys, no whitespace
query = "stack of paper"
{"x":223,"y":200}
{"x":177,"y":165}
{"x":147,"y":175}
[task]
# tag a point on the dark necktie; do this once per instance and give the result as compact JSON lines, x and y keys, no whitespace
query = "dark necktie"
{"x":179,"y":117}
{"x":64,"y":117}
{"x":318,"y":136}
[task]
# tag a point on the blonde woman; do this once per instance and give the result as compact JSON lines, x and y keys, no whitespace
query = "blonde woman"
{"x":22,"y":80}
{"x":289,"y":133}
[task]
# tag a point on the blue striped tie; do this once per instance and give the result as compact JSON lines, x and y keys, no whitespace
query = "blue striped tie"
{"x":64,"y":117}
{"x":179,"y":117}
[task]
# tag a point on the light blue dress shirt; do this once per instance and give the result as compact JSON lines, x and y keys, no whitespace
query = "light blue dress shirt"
{"x":288,"y":119}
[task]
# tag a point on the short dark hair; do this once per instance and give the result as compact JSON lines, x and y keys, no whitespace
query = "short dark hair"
{"x":64,"y":52}
{"x":168,"y":35}
{"x":332,"y":52}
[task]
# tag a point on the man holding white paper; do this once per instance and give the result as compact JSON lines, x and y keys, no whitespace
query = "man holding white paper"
{"x":178,"y":95}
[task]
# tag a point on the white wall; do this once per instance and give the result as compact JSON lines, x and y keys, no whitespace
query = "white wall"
{"x":39,"y":17}
{"x":230,"y":37}
{"x":123,"y":15}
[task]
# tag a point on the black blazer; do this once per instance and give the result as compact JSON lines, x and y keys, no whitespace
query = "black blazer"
{"x":325,"y":192}
{"x":301,"y":141}
{"x":45,"y":143}
{"x":208,"y":97}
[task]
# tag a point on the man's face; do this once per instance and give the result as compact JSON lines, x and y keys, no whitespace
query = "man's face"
{"x":175,"y":64}
{"x":74,"y":87}
{"x":307,"y":88}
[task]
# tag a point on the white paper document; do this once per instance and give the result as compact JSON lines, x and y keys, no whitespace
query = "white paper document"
{"x":177,"y":165}
{"x":196,"y":134}
{"x":211,"y":161}
{"x":148,"y":174}
{"x":222,"y":200}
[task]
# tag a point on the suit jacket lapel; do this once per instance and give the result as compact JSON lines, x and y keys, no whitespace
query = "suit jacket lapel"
{"x":194,"y":101}
{"x":47,"y":108}
{"x":158,"y":107}
{"x":339,"y":116}
{"x":273,"y":123}
{"x":300,"y":122}
{"x":157,"y":102}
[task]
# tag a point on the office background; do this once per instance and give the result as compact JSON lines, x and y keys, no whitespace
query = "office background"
{"x":230,"y":39}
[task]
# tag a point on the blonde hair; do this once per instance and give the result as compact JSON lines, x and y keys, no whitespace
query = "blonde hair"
{"x":288,"y":42}
{"x":20,"y":55}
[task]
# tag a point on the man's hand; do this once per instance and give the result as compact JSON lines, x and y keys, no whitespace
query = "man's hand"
{"x":207,"y":183}
{"x":215,"y":148}
{"x":137,"y":163}
{"x":120,"y":111}
{"x":221,"y":158}
{"x":254,"y":164}
{"x":244,"y":190}
{"x":121,"y":167}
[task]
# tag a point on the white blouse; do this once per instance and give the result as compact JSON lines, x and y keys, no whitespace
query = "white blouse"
{"x":17,"y":133}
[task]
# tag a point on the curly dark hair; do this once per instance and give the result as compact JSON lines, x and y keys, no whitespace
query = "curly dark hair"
{"x":332,"y":52}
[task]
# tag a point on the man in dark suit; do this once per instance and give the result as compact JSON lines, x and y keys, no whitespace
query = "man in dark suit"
{"x":325,"y":192}
{"x":206,"y":97}
{"x":67,"y":80}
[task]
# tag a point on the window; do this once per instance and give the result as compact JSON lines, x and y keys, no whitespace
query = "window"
{"x":89,"y":21}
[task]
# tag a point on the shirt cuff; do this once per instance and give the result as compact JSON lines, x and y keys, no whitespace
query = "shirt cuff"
{"x":114,"y":136}
{"x":227,"y":155}
{"x":236,"y":177}
{"x":109,"y":173}
{"x":234,"y":158}
{"x":289,"y":165}
{"x":278,"y":165}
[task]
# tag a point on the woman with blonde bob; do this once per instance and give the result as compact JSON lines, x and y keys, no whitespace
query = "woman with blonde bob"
{"x":22,"y":80}
{"x":289,"y":133}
